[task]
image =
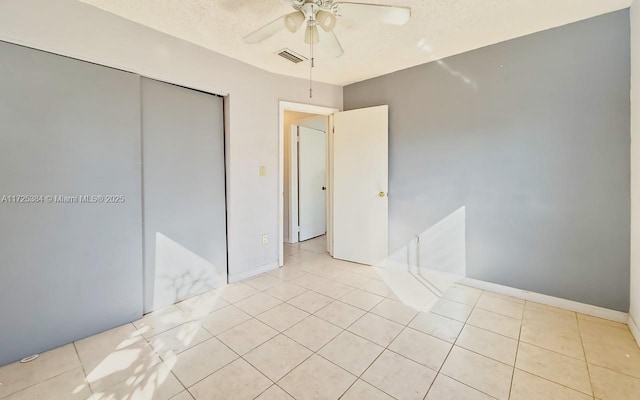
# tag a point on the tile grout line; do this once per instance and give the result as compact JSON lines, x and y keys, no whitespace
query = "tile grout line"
{"x":515,"y":360}
{"x":584,"y":352}
{"x":453,"y":345}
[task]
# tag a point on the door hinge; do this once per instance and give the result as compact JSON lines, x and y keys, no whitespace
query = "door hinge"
{"x":298,"y":228}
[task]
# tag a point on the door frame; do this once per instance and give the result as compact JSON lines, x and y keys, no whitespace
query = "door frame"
{"x":310,"y":109}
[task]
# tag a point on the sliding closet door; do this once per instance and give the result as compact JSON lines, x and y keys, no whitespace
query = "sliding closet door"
{"x":184,"y":193}
{"x":71,"y":254}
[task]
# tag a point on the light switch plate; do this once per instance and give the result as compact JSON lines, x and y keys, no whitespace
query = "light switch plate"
{"x":263,"y":170}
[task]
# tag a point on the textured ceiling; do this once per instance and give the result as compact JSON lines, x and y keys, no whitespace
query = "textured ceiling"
{"x":437,"y":29}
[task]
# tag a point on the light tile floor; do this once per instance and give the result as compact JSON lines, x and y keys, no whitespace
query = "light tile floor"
{"x":320,"y":328}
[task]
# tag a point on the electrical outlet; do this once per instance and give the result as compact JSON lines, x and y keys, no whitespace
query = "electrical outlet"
{"x":263,"y":170}
{"x":265,"y":239}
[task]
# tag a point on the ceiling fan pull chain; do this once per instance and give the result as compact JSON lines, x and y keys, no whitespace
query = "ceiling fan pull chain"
{"x":311,"y":67}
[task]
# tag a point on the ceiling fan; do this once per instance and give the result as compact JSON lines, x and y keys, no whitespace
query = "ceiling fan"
{"x":324,"y":14}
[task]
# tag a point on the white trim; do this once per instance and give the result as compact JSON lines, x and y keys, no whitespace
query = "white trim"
{"x":293,"y":185}
{"x":299,"y":107}
{"x":253,"y":272}
{"x":635,"y":330}
{"x":613,"y":315}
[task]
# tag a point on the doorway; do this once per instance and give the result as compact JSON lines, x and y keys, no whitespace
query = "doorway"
{"x":356,"y":181}
{"x":304,"y":176}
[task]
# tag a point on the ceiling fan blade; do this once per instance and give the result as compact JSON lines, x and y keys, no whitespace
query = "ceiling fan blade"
{"x":261,"y":34}
{"x":329,"y":44}
{"x":374,"y":12}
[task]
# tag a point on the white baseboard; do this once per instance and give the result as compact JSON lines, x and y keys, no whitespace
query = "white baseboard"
{"x":601,"y":312}
{"x":635,"y":329}
{"x":253,"y":272}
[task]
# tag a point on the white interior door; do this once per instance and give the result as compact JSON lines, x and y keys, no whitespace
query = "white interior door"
{"x":360,"y":185}
{"x":312,"y":171}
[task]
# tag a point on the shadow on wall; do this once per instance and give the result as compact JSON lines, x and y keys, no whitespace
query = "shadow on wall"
{"x":180,"y":273}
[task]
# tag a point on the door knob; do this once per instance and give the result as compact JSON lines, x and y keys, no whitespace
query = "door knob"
{"x":381,"y":194}
{"x":324,"y":188}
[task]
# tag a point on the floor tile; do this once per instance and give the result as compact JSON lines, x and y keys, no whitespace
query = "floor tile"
{"x":603,"y":321}
{"x":157,"y":383}
{"x":496,"y":323}
{"x":500,"y":306}
{"x":277,"y":357}
{"x":200,"y":361}
{"x":544,"y":307}
{"x":160,"y":321}
{"x":340,"y":314}
{"x":120,"y":365}
{"x":479,"y":372}
{"x":445,"y":388}
{"x":351,"y":352}
{"x":310,"y":301}
{"x":550,"y":319}
{"x":310,"y":281}
{"x":287,"y":273}
{"x":334,"y":289}
{"x":610,"y":347}
{"x":257,"y":304}
{"x":553,"y":366}
{"x":400,"y":377}
{"x":201,"y":305}
{"x":492,"y":345}
{"x":236,"y":292}
{"x":184,"y":395}
{"x":286,"y":291}
{"x":421,"y":348}
{"x":504,"y":297}
{"x":317,"y":378}
{"x":325,"y":271}
{"x":180,"y":338}
{"x":98,"y":347}
{"x":554,"y":339}
{"x":313,"y":332}
{"x":263,"y":282}
{"x":362,"y":390}
{"x":70,"y":385}
{"x":376,"y":286}
{"x":361,"y":299}
{"x":353,"y":279}
{"x":376,"y":329}
{"x":610,"y":385}
{"x":451,"y":309}
{"x":247,"y":336}
{"x":282,"y":317}
{"x":395,"y":311}
{"x":274,"y":393}
{"x":463,"y":294}
{"x":436,"y":325}
{"x":237,"y":381}
{"x":530,"y":387}
{"x":223,"y":319}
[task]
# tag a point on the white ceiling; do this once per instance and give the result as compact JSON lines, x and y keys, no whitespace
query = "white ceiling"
{"x":437,"y":29}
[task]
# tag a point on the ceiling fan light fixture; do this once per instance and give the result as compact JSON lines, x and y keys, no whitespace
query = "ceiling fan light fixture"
{"x":312,"y":35}
{"x":294,"y":21}
{"x":326,"y":20}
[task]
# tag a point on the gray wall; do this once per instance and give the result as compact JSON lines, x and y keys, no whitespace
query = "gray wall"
{"x":184,"y":197}
{"x":67,"y":270}
{"x":531,"y":136}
